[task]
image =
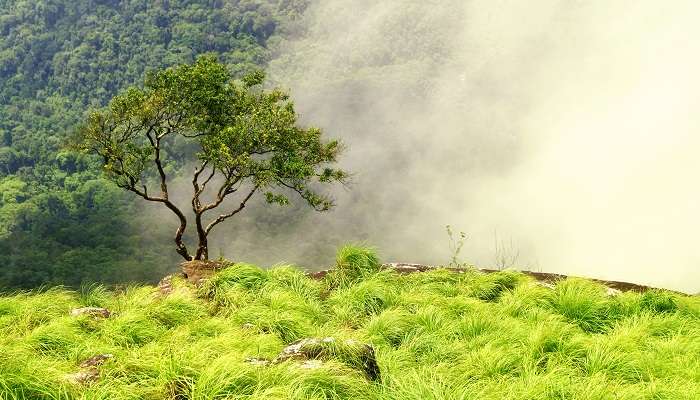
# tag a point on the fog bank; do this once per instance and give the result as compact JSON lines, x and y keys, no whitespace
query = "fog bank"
{"x":561,"y":132}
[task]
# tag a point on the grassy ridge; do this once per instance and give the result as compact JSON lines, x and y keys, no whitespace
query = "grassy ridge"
{"x":437,"y":335}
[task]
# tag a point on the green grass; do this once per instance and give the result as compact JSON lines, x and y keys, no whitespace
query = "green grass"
{"x":437,"y":335}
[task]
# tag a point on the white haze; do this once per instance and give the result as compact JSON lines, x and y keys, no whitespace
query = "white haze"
{"x":566,"y":131}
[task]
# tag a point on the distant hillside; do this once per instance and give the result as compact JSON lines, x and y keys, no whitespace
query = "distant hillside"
{"x":358,"y":333}
{"x":59,"y":222}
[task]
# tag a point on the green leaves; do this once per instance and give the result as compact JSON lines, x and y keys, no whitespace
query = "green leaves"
{"x":254,"y":78}
{"x":244,"y":137}
{"x":273,"y":198}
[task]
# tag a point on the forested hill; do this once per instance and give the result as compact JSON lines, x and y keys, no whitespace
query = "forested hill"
{"x":60,"y":223}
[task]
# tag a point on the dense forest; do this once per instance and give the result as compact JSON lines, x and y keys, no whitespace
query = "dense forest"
{"x":60,"y":221}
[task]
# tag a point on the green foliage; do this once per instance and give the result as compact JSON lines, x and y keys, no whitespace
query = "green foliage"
{"x":582,"y":302}
{"x":245,"y":276}
{"x":93,"y":295}
{"x":658,"y":301}
{"x":356,"y":302}
{"x":436,"y":336}
{"x":489,"y":287}
{"x":244,"y":138}
{"x":357,"y":260}
{"x":352,"y":264}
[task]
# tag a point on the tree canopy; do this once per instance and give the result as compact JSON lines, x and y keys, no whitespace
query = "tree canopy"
{"x":244,"y":139}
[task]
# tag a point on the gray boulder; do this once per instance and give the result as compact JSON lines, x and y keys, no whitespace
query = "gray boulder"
{"x":313,"y":351}
{"x":95,"y":312}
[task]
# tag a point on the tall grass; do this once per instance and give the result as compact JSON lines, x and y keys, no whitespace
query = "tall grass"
{"x":437,"y":335}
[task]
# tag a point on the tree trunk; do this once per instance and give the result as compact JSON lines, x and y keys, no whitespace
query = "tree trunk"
{"x":202,"y":249}
{"x":180,"y":245}
{"x":202,"y":246}
{"x":182,"y":250}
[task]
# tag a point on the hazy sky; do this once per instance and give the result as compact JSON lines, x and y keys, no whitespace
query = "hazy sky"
{"x":565,"y":132}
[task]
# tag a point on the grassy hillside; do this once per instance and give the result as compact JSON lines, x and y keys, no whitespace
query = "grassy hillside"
{"x":437,"y":335}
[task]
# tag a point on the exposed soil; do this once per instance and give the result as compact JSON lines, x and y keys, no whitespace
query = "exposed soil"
{"x":199,"y":270}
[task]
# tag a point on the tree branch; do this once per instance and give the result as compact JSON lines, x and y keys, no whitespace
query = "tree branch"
{"x":223,"y":217}
{"x":195,"y":180}
{"x":225,"y":190}
{"x":155,"y":143}
{"x":323,"y":204}
{"x":206,"y":181}
{"x":180,"y":246}
{"x":196,"y":135}
{"x":161,"y":171}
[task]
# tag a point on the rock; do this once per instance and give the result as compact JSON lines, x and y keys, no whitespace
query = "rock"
{"x":318,"y":274}
{"x":87,"y":376}
{"x":304,"y":349}
{"x":165,"y":286}
{"x":89,"y":372}
{"x":313,"y":351}
{"x":312,"y":364}
{"x":199,"y":270}
{"x":612,"y":292}
{"x":248,"y":325}
{"x":407,"y":268}
{"x":257,"y":361}
{"x":545,"y":285}
{"x":96,"y":361}
{"x":95,"y":312}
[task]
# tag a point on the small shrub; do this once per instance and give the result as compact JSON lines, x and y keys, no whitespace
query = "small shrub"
{"x":93,"y":295}
{"x":132,"y":328}
{"x":390,"y":327}
{"x":176,"y":310}
{"x":288,"y":325}
{"x":352,"y":264}
{"x":59,"y":337}
{"x":247,"y":276}
{"x":363,"y":299}
{"x":583,"y":303}
{"x":658,"y":301}
{"x":291,"y":278}
{"x":489,"y":287}
{"x":332,"y":381}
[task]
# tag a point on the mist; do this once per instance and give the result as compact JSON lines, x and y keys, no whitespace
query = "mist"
{"x":559,"y":133}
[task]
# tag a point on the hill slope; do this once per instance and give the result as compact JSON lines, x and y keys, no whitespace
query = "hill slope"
{"x":437,"y":335}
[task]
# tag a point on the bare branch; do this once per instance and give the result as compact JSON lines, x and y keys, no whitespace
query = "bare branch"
{"x":155,"y":143}
{"x":148,"y":135}
{"x":206,"y":181}
{"x":195,"y":179}
{"x":161,"y":171}
{"x":196,"y":135}
{"x":219,"y":199}
{"x":172,"y":127}
{"x":143,"y":193}
{"x":223,"y":217}
{"x":126,"y":133}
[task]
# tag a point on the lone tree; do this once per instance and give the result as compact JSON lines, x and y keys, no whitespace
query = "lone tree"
{"x":243,"y":139}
